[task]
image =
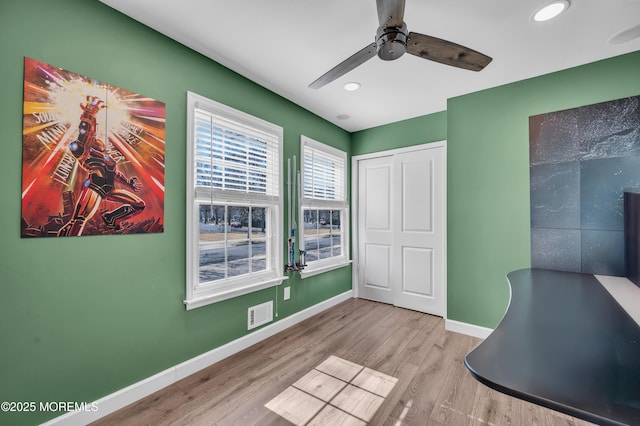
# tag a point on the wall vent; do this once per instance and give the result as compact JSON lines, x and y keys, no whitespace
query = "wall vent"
{"x":260,"y":314}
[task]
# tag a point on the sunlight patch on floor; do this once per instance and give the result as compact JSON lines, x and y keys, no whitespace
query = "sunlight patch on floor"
{"x":335,"y":392}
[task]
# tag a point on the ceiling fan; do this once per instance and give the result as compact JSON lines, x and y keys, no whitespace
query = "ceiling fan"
{"x":393,"y":40}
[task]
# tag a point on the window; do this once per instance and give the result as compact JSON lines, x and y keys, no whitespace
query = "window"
{"x":324,"y":208}
{"x":234,"y":203}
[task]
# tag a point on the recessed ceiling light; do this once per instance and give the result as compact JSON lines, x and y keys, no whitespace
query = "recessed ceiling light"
{"x":625,"y":35}
{"x":351,"y":86}
{"x":343,"y":117}
{"x":551,"y":10}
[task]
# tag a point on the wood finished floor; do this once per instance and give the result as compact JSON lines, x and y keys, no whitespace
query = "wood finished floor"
{"x":433,"y":387}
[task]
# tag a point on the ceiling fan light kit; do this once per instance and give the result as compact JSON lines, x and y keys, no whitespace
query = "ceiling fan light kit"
{"x":394,"y":40}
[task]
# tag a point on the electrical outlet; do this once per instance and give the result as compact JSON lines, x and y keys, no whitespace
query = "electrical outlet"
{"x":287,"y":293}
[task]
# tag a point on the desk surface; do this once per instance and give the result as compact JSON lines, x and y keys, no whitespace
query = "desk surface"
{"x":566,"y":344}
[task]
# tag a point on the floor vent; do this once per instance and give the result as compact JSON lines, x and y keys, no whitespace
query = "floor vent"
{"x":260,"y":314}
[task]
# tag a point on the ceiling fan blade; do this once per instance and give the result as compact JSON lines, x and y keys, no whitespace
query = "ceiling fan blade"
{"x":345,"y":66}
{"x":446,"y":52}
{"x":390,"y":12}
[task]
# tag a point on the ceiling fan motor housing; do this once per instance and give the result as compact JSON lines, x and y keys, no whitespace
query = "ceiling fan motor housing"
{"x":391,"y":41}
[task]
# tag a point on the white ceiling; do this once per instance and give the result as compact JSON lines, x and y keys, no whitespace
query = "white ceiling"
{"x":284,"y":45}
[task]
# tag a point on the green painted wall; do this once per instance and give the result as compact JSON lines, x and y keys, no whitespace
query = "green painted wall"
{"x":414,"y":131}
{"x":488,"y":177}
{"x":83,"y":317}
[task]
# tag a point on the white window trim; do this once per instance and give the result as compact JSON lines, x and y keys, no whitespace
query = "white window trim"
{"x":197,"y":294}
{"x":324,"y":265}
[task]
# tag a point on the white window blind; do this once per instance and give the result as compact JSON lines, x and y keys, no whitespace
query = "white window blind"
{"x":231,"y":156}
{"x":324,"y":172}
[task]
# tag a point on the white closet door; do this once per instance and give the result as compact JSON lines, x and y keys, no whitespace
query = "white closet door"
{"x":401,"y":229}
{"x":418,"y":244}
{"x":375,"y":229}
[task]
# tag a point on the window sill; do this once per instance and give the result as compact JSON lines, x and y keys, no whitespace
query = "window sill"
{"x":207,"y":299}
{"x":321,"y":267}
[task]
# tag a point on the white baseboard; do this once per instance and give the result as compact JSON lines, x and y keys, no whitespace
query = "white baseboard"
{"x":136,"y":391}
{"x":466,"y":328}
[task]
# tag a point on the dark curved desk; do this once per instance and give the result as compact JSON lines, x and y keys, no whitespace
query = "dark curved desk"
{"x":566,"y":344}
